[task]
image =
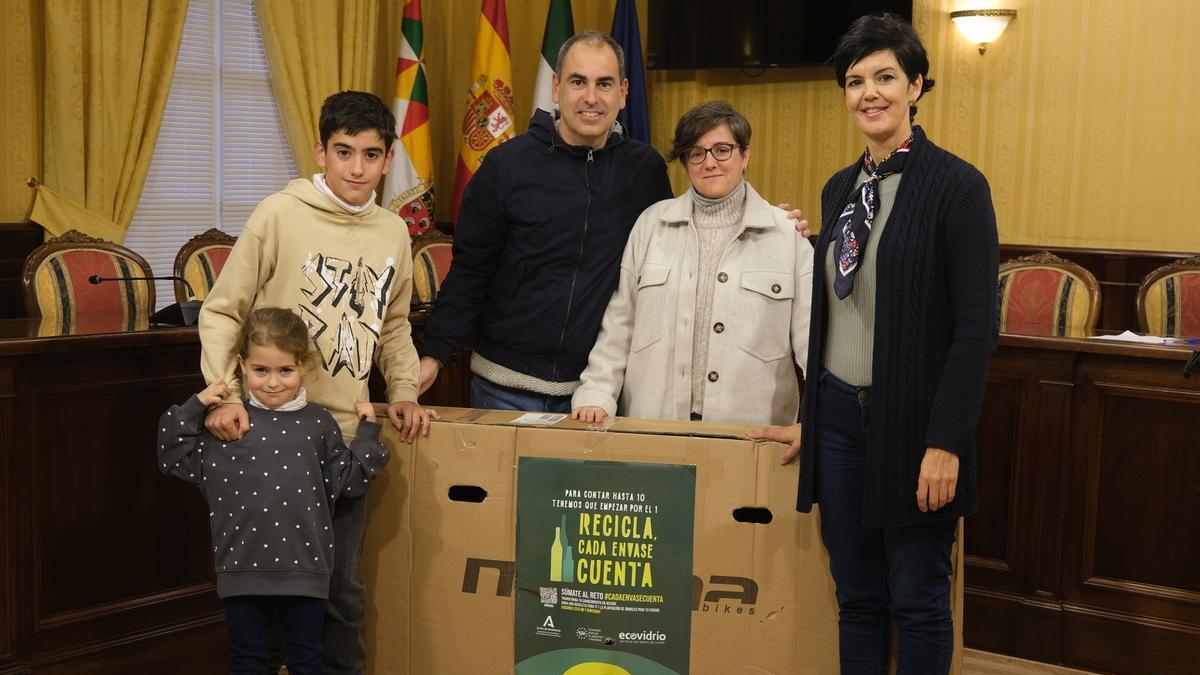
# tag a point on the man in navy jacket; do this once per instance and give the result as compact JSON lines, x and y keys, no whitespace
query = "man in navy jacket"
{"x":538,"y":243}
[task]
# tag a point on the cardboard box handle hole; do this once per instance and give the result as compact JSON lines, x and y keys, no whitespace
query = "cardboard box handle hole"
{"x":753,"y":514}
{"x":467,"y":493}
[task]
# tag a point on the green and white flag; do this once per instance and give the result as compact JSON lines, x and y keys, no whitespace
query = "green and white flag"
{"x":560,"y":25}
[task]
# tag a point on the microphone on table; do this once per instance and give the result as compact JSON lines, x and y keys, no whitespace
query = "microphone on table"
{"x":184,"y":313}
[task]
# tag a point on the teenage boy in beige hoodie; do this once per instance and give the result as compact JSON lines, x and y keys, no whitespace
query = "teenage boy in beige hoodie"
{"x":323,"y":248}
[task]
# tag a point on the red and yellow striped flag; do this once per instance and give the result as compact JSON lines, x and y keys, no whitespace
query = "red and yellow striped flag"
{"x":408,"y":189}
{"x":489,"y":120}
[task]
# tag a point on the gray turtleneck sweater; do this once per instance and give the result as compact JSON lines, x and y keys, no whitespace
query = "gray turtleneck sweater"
{"x":716,"y":222}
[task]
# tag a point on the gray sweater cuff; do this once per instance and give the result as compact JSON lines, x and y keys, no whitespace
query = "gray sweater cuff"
{"x":368,"y":430}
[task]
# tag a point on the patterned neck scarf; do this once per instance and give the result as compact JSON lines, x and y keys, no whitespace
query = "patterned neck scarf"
{"x":854,"y":224}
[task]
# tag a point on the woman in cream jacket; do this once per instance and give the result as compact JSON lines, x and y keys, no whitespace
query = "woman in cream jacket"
{"x":712,"y":307}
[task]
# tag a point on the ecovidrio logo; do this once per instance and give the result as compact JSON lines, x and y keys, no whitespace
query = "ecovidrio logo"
{"x":645,"y":637}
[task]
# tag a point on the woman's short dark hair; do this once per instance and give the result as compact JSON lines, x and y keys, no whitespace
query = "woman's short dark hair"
{"x":877,"y":32}
{"x":703,"y":118}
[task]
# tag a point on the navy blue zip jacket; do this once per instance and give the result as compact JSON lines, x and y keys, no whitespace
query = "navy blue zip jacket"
{"x":537,"y":249}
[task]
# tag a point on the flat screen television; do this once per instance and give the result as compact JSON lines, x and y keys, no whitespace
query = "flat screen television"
{"x":753,"y":33}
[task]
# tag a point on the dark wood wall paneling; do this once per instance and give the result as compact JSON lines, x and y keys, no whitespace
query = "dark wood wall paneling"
{"x":1084,"y":549}
{"x":9,"y":582}
{"x":16,"y":241}
{"x":107,"y":567}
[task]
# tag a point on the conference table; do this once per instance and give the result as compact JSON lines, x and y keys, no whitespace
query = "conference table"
{"x":105,"y":561}
{"x":1083,"y":551}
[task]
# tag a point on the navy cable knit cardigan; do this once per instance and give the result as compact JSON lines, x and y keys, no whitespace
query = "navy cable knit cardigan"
{"x":935,"y":330}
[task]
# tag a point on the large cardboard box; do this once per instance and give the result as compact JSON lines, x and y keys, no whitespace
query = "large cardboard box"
{"x":438,"y":557}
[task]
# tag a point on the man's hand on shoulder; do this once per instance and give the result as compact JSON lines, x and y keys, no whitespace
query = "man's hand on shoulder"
{"x":228,"y":421}
{"x":797,"y":215}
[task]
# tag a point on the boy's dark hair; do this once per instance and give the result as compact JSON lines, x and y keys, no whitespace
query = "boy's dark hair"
{"x":355,"y":111}
{"x":279,"y":328}
{"x":703,"y":118}
{"x":593,"y":38}
{"x":877,"y":32}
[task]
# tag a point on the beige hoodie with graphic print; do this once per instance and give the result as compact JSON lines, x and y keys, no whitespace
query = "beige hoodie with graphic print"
{"x":348,"y":275}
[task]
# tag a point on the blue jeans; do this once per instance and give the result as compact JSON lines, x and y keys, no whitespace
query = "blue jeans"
{"x":248,"y":619}
{"x":491,"y":396}
{"x":345,"y":648}
{"x":886,"y":574}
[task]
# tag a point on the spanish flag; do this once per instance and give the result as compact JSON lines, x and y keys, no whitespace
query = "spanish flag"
{"x":408,"y":189}
{"x":489,"y":120}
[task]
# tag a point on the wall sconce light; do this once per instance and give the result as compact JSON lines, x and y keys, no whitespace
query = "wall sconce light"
{"x":981,"y":26}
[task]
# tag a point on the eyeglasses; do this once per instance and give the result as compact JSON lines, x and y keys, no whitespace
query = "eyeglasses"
{"x":720,"y":152}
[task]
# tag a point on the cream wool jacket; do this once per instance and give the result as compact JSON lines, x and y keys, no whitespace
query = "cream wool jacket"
{"x":641,"y":365}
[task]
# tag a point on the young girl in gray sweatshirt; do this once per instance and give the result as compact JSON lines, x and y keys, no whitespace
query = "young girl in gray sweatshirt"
{"x":271,"y":493}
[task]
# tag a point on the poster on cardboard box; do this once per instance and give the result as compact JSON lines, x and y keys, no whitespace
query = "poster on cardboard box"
{"x":604,"y":567}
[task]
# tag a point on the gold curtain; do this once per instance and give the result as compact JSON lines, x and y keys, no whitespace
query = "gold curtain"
{"x":20,"y":113}
{"x":316,"y":48}
{"x":108,"y":71}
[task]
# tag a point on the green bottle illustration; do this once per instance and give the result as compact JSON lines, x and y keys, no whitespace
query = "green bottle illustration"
{"x":568,"y":558}
{"x":556,"y":556}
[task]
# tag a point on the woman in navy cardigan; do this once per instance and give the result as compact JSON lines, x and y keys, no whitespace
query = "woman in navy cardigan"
{"x":903,"y":324}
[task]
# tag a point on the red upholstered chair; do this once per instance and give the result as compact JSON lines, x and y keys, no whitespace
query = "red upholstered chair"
{"x":432,"y":255}
{"x":57,"y":280}
{"x":200,"y":260}
{"x":1044,"y":294}
{"x":1168,"y":301}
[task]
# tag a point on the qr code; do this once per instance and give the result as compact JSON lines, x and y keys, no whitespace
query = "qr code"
{"x":549,"y":595}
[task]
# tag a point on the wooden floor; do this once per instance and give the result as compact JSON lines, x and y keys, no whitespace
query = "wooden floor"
{"x":976,"y":662}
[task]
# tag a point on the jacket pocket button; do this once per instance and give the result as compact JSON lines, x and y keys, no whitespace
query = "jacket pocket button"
{"x":718,"y":327}
{"x":713,"y":376}
{"x":776,"y":288}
